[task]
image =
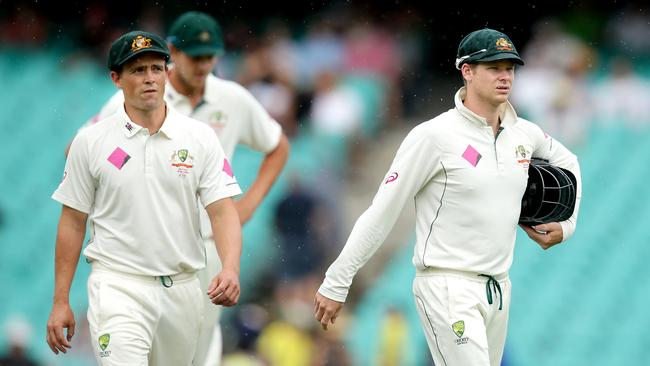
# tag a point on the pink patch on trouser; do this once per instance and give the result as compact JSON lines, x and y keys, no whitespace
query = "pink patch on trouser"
{"x":118,"y":158}
{"x":227,"y":168}
{"x":471,"y":155}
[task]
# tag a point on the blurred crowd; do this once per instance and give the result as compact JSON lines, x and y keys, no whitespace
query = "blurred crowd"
{"x":351,"y":77}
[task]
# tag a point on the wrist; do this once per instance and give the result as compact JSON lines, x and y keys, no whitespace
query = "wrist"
{"x":61,"y":300}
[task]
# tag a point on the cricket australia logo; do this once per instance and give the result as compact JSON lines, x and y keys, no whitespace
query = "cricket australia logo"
{"x":182,"y":161}
{"x":523,"y":157}
{"x":217,"y":121}
{"x":459,"y":330}
{"x":104,"y":340}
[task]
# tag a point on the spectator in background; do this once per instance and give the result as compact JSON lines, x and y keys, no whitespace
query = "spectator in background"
{"x":336,"y":116}
{"x":627,"y":32}
{"x":271,"y":85}
{"x":19,"y":333}
{"x":336,"y":109}
{"x":553,"y":89}
{"x":321,"y":49}
{"x":622,"y":96}
{"x":25,"y":27}
{"x":296,"y":224}
{"x":248,"y":321}
{"x":372,"y":51}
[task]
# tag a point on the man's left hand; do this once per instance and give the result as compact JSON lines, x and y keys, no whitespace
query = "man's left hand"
{"x":546,"y":235}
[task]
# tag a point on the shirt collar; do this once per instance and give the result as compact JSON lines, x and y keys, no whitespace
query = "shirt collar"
{"x":170,"y":126}
{"x":508,"y":116}
{"x":131,"y":128}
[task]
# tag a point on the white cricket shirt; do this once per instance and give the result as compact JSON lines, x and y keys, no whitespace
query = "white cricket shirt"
{"x":232,"y":112}
{"x":141,"y":191}
{"x":466,"y":186}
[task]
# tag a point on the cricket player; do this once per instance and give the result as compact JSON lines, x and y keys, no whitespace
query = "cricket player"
{"x":195,"y":42}
{"x":465,"y":172}
{"x":137,"y":176}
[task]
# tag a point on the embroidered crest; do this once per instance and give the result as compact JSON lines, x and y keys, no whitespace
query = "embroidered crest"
{"x":183,"y":161}
{"x":204,"y":36}
{"x":140,"y":42}
{"x":503,"y":45}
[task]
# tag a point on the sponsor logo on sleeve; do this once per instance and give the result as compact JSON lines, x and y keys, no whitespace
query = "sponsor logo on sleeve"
{"x":391,"y":178}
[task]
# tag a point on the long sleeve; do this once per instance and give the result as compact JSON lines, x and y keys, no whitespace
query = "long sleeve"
{"x":413,"y":166}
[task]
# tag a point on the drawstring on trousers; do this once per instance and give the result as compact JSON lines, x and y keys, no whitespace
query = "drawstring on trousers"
{"x":495,"y":286}
{"x":168,"y":282}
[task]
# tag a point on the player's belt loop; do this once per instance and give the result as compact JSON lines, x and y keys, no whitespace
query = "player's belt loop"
{"x":168,"y":282}
{"x":495,"y":286}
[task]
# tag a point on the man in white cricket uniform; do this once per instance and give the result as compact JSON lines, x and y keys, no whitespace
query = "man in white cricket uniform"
{"x":236,"y":117}
{"x":466,"y":172}
{"x":137,"y":175}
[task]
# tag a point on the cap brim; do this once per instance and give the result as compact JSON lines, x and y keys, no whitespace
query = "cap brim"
{"x":202,"y":51}
{"x":140,"y":52}
{"x":503,"y":56}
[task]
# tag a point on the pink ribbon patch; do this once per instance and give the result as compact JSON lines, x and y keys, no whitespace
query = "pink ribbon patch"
{"x":471,"y":155}
{"x":227,"y":168}
{"x":118,"y":158}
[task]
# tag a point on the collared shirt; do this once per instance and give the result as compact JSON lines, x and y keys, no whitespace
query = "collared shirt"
{"x":141,"y":191}
{"x":232,"y":112}
{"x":466,"y":185}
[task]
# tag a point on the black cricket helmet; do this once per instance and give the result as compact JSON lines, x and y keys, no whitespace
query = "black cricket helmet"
{"x":550,"y":194}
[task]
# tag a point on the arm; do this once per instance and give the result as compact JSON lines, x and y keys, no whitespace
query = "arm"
{"x":69,"y":240}
{"x":269,"y":171}
{"x":224,"y":289}
{"x":415,"y":163}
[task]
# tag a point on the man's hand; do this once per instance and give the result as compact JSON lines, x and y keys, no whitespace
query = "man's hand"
{"x":224,"y":288}
{"x":326,"y":310}
{"x":61,"y":318}
{"x":546,"y":235}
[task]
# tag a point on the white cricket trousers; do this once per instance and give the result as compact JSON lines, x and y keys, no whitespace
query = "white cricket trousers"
{"x":209,"y":349}
{"x":460,"y":316}
{"x":143,"y":320}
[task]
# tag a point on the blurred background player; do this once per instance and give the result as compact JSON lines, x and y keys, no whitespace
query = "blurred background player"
{"x":466,"y":171}
{"x":195,"y":41}
{"x":137,"y":175}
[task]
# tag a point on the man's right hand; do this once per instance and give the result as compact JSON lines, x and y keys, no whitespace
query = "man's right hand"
{"x":326,"y":310}
{"x":61,"y":318}
{"x":224,"y":289}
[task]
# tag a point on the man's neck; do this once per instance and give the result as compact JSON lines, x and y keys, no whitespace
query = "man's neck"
{"x":491,"y":113}
{"x":152,"y":120}
{"x":193,"y":94}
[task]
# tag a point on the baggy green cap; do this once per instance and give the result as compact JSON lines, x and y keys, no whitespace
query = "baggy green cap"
{"x":197,"y":34}
{"x":486,"y":45}
{"x":132,"y":44}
